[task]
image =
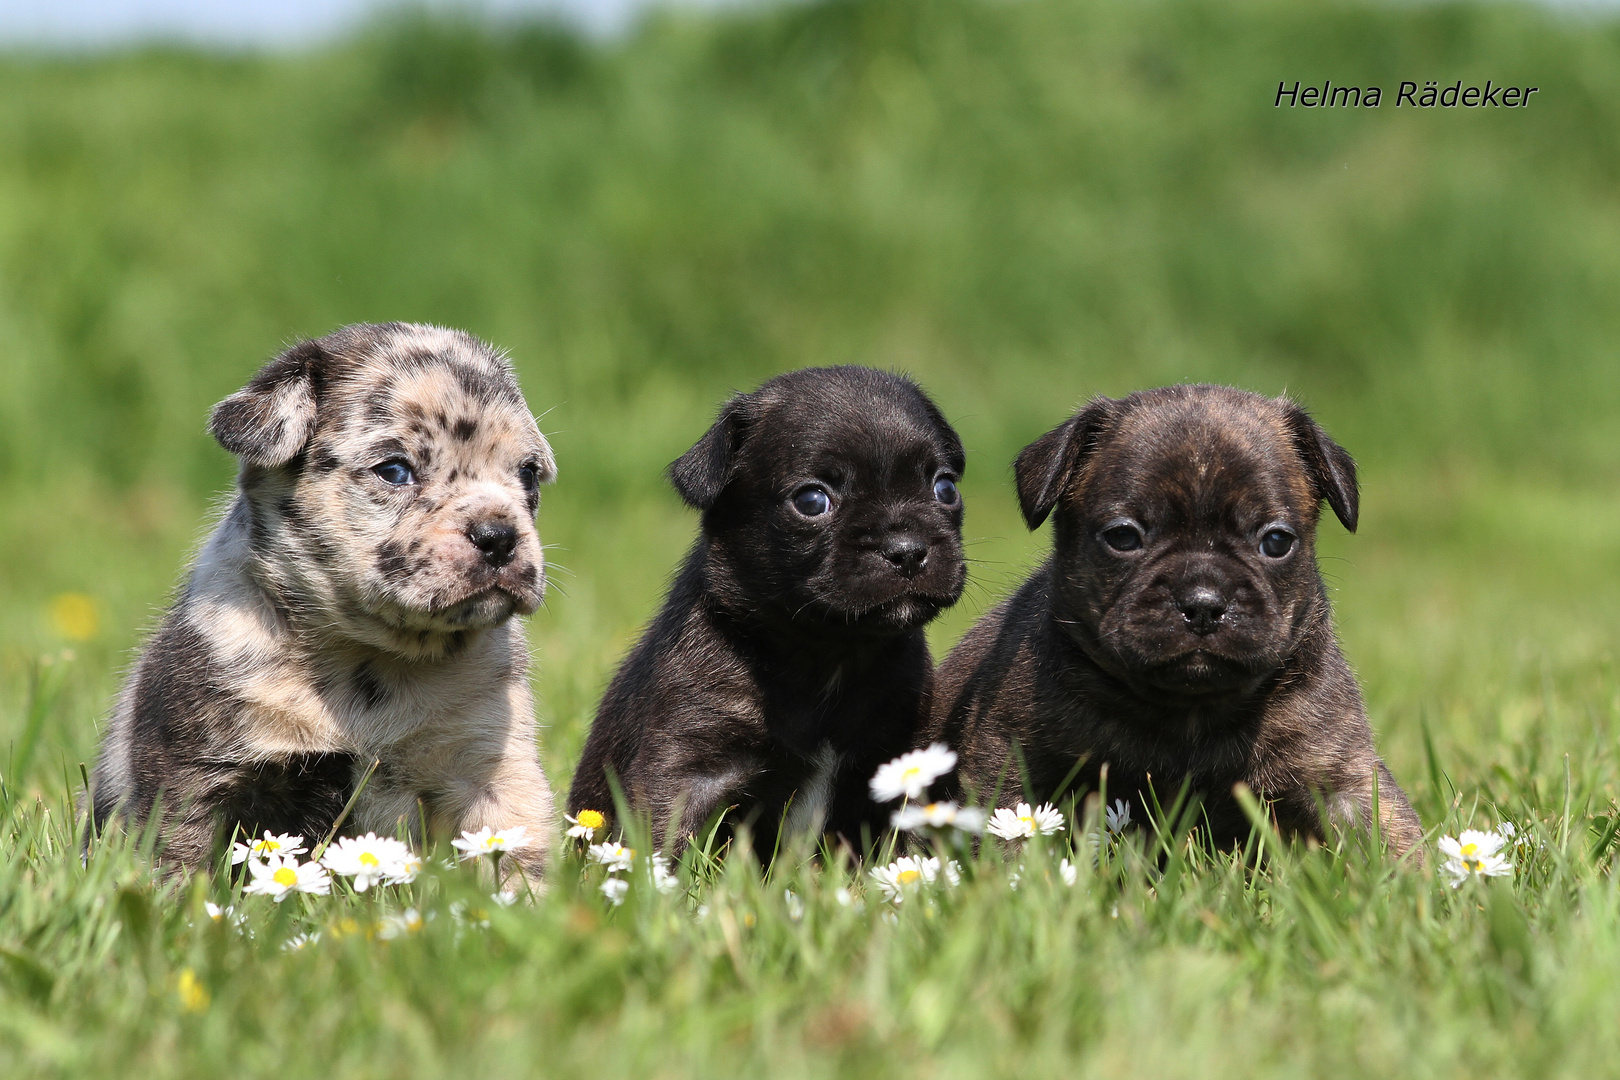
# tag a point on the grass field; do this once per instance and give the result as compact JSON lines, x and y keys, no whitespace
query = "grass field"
{"x":1022,"y":204}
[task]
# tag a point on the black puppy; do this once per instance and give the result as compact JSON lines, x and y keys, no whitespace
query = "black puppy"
{"x":789,"y":660}
{"x":1180,"y":631}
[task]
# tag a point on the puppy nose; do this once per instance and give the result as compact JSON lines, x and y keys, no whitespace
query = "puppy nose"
{"x":907,"y":553}
{"x":1203,"y":608}
{"x":496,"y":539}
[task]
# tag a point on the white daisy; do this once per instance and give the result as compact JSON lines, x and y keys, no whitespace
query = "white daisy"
{"x":938,"y":815}
{"x":408,"y":922}
{"x":265,"y":846}
{"x":367,"y":859}
{"x":487,"y":841}
{"x":1021,"y":822}
{"x":614,"y":889}
{"x":505,"y":898}
{"x":906,"y":872}
{"x":1068,"y":872}
{"x":613,"y":855}
{"x":911,"y":773}
{"x":584,"y":826}
{"x":277,"y":877}
{"x":794,"y":903}
{"x":663,"y":879}
{"x":1118,"y":816}
{"x":1474,"y":854}
{"x":462,"y":912}
{"x":300,"y":941}
{"x":405,"y":870}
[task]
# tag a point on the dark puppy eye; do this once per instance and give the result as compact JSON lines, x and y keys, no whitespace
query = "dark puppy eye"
{"x":945,"y":492}
{"x":1276,"y":543}
{"x":812,"y":501}
{"x":1123,"y":536}
{"x":395,"y":471}
{"x":529,"y":477}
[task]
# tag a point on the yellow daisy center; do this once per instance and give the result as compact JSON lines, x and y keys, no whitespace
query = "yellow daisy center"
{"x":591,"y":819}
{"x":1469,"y":850}
{"x":266,"y":845}
{"x":906,"y":877}
{"x":368,"y":859}
{"x":912,"y":771}
{"x":285,"y":876}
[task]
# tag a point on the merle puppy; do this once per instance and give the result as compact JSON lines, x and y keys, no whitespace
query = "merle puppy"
{"x":789,"y":659}
{"x":357,"y":602}
{"x":1180,"y":630}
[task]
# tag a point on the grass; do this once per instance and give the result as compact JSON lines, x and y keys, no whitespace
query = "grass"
{"x":1022,"y":204}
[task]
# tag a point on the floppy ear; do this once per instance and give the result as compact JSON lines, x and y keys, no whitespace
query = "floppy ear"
{"x":1331,"y":469}
{"x":269,"y":420}
{"x":1045,"y":466}
{"x":701,"y":474}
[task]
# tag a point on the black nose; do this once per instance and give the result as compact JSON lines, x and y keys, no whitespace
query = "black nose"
{"x":907,"y":553}
{"x":1203,"y":608}
{"x":496,"y":539}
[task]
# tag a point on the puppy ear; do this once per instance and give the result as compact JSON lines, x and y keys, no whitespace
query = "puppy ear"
{"x":1045,"y":466}
{"x":1331,"y":469}
{"x":701,"y":474}
{"x":267,"y":422}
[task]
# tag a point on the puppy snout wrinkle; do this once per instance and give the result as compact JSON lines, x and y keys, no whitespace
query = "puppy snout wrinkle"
{"x":1203,"y":607}
{"x":907,"y":553}
{"x":496,"y":539}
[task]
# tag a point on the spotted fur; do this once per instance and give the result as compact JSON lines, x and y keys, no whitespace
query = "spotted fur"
{"x":334,"y":618}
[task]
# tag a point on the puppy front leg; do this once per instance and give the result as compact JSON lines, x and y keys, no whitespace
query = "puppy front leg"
{"x":517,"y":796}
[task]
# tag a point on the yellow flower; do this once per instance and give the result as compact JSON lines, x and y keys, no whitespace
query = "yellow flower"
{"x":193,"y":995}
{"x":75,"y":616}
{"x":585,"y":825}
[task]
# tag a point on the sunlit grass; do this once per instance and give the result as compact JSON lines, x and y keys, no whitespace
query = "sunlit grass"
{"x":1021,"y":204}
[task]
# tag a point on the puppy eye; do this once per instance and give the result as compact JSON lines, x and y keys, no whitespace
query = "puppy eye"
{"x":812,"y":501}
{"x":1125,"y":536}
{"x":1276,"y":543}
{"x":395,"y":471}
{"x":529,"y":477}
{"x":945,"y":492}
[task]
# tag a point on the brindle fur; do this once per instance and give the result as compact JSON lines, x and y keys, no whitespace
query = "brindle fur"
{"x":332,"y":618}
{"x":1094,"y":662}
{"x":789,"y":659}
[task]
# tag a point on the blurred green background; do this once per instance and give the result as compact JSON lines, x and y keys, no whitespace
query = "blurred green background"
{"x":1021,"y":204}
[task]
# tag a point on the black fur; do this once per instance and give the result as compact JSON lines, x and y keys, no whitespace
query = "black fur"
{"x":785,"y":637}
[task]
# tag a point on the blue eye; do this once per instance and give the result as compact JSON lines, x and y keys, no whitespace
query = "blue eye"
{"x":945,"y":492}
{"x":812,"y":501}
{"x":395,"y":472}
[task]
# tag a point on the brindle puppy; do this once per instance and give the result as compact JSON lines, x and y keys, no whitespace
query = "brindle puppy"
{"x":1180,"y":629}
{"x":355,"y":603}
{"x":789,"y":659}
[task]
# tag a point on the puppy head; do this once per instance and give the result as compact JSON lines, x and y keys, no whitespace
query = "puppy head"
{"x":1184,"y":532}
{"x":829,"y":500}
{"x":391,"y":474}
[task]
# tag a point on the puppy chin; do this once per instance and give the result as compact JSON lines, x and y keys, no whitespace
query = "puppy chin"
{"x":1201,"y":674}
{"x":883,"y":615}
